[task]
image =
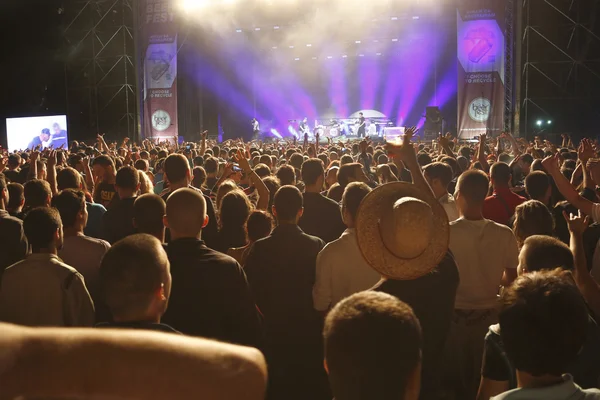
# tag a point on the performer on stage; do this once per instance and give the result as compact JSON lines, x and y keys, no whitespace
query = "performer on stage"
{"x":304,"y":129}
{"x":362,"y":122}
{"x":255,"y":129}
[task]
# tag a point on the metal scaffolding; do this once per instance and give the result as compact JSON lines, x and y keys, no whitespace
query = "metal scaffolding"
{"x":509,"y":65}
{"x":100,"y":67}
{"x":561,"y":68}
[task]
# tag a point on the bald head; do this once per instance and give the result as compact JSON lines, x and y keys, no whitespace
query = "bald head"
{"x":186,"y":213}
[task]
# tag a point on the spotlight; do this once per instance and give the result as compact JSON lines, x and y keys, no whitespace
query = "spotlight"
{"x":394,"y":18}
{"x":357,"y":42}
{"x":330,"y":57}
{"x":344,"y":56}
{"x":297,"y":59}
{"x":416,"y":17}
{"x":309,"y":45}
{"x":238,"y":30}
{"x":314,"y":58}
{"x":291,"y":47}
{"x":378,"y":54}
{"x":361,"y":55}
{"x":549,"y":122}
{"x":275,"y":27}
{"x":394,"y":40}
{"x":539,"y":122}
{"x":257,"y":29}
{"x":274,"y":47}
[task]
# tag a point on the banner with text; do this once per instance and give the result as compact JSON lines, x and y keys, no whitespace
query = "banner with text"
{"x":159,"y":41}
{"x":480,"y":26}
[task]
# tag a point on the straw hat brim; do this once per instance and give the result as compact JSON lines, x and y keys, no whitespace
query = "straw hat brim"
{"x":371,"y":244}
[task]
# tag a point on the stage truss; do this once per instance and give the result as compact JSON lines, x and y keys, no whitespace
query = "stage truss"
{"x":561,"y":68}
{"x":100,"y":69}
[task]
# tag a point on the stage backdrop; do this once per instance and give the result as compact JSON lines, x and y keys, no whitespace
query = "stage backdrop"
{"x":480,"y":27}
{"x":159,"y":65}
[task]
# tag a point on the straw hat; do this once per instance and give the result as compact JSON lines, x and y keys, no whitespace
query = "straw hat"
{"x":402,"y":232}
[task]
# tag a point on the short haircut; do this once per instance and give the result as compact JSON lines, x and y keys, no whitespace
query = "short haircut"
{"x":131,"y":272}
{"x":69,"y":203}
{"x":543,"y":322}
{"x":346,"y":173}
{"x":296,"y":160}
{"x":440,"y":171}
{"x":14,"y":160}
{"x":372,"y":347}
{"x":127,"y":178}
{"x":286,"y":175}
{"x":148,"y":212}
{"x":15,"y":195}
{"x":353,"y":195}
{"x":473,"y":186}
{"x":500,"y":173}
{"x":104,"y":161}
{"x":40,"y":226}
{"x":68,"y":178}
{"x":259,"y":225}
{"x":142,"y":165}
{"x":266,"y":159}
{"x":423,"y":159}
{"x":199,"y":179}
{"x":176,"y":167}
{"x":542,"y":252}
{"x":527,"y":158}
{"x":288,"y":202}
{"x":211,"y":165}
{"x":537,"y":184}
{"x":186,"y":211}
{"x":262,"y":170}
{"x":36,"y":193}
{"x":532,"y":218}
{"x":312,"y":170}
{"x":346,"y":159}
{"x":198,"y":161}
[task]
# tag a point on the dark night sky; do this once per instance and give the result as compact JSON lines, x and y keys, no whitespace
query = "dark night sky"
{"x":30,"y":65}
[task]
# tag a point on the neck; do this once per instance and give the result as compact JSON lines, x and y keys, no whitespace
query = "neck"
{"x":49,"y":250}
{"x":312,"y":189}
{"x":111,"y":179}
{"x":148,"y":319}
{"x":440,"y":193}
{"x":72,"y":230}
{"x":126,"y":193}
{"x":500,"y":187}
{"x":176,"y":235}
{"x":526,"y":380}
{"x":472,"y":214}
{"x":178,"y":185}
{"x":281,"y":223}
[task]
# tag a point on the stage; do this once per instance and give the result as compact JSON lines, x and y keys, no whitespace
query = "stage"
{"x":307,"y":61}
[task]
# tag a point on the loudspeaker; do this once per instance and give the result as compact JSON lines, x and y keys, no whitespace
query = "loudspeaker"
{"x":433,"y":123}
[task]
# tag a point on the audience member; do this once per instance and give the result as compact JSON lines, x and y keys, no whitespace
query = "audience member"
{"x":42,"y":290}
{"x":210,"y":295}
{"x":136,"y":283}
{"x":16,"y":199}
{"x":117,"y":222}
{"x":321,"y":216}
{"x":105,"y":174}
{"x":79,"y":251}
{"x":148,"y":213}
{"x":281,"y":273}
{"x":532,"y":218}
{"x":258,"y":225}
{"x":500,"y":206}
{"x":13,"y":243}
{"x":341,"y":268}
{"x":438,"y":176}
{"x":373,"y":348}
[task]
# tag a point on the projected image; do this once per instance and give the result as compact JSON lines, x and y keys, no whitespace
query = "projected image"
{"x":37,"y":132}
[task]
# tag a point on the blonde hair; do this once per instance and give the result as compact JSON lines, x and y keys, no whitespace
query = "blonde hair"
{"x":532,"y":218}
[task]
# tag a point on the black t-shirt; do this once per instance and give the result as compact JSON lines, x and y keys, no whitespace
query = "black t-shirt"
{"x":432,"y":298}
{"x":322,"y":217}
{"x":104,"y":194}
{"x":117,"y":223}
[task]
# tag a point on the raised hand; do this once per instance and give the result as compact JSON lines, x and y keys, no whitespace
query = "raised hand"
{"x":577,"y":224}
{"x":242,"y":161}
{"x":204,"y":135}
{"x":551,"y":164}
{"x":585,"y":151}
{"x":52,"y":159}
{"x":444,"y":140}
{"x":34,"y":156}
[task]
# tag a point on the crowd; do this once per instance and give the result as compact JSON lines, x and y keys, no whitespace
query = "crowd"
{"x":289,"y":270}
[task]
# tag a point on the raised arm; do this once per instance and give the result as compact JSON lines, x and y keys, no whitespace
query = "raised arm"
{"x":586,"y":283}
{"x":513,"y":143}
{"x":51,"y":166}
{"x":551,"y":164}
{"x":203,"y":135}
{"x":263,"y":191}
{"x":481,"y":153}
{"x":406,"y":153}
{"x":54,"y":363}
{"x":444,"y":142}
{"x":33,"y":169}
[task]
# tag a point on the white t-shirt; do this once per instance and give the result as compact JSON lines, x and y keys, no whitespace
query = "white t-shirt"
{"x":482,"y":249}
{"x":447,"y":201}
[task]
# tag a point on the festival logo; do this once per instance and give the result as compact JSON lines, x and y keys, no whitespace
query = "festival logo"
{"x":479,"y":109}
{"x":161,"y":120}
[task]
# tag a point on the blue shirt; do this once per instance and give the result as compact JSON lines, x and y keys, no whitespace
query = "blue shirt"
{"x":94,"y":224}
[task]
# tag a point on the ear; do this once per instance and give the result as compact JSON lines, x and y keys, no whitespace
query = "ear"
{"x":300,"y":212}
{"x":165,"y":221}
{"x":137,"y":188}
{"x":206,"y":219}
{"x":160,"y":293}
{"x":57,"y":234}
{"x":274,"y":211}
{"x":325,"y":366}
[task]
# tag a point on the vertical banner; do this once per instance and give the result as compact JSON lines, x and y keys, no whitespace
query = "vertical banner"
{"x":159,"y":65}
{"x":480,"y":26}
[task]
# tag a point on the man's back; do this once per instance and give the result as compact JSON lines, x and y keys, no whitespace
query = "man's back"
{"x":210,"y":296}
{"x":567,"y":390}
{"x":85,"y":254}
{"x":500,"y":206}
{"x":432,"y":299}
{"x":13,"y":243}
{"x":117,"y":222}
{"x":321,"y":217}
{"x":43,"y":291}
{"x":482,"y":249}
{"x":281,"y":272}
